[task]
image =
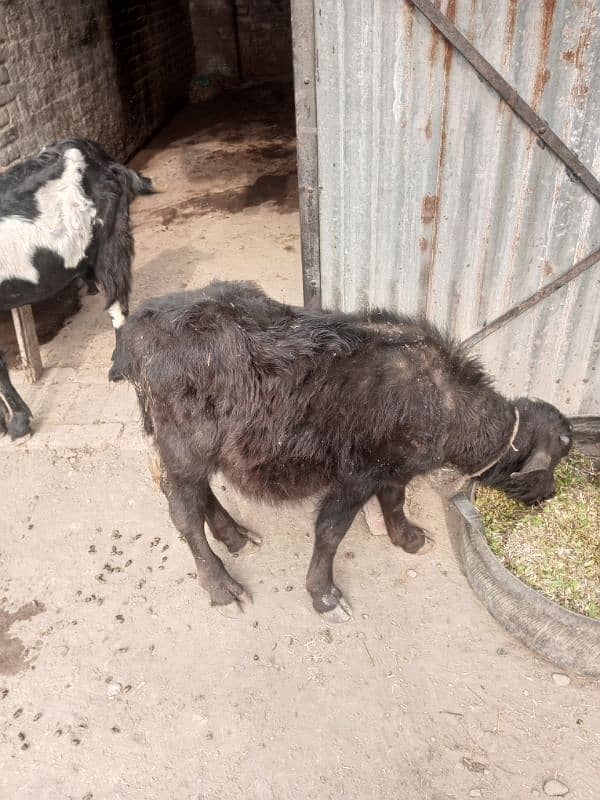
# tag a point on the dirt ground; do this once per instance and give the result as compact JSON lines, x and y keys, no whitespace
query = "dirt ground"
{"x":119,"y":682}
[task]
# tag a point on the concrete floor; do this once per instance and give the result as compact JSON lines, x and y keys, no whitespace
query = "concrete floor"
{"x":118,"y":682}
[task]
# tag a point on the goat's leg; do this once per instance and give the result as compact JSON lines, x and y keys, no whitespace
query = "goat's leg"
{"x":15,"y":415}
{"x":225,"y":528}
{"x":337,"y":513}
{"x":118,"y":317}
{"x":401,"y":532}
{"x":187,"y":507}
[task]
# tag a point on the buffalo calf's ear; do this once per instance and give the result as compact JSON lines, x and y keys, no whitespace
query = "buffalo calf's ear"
{"x":540,"y":459}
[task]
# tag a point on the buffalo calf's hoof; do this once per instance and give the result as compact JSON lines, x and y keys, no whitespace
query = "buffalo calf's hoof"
{"x":249,"y":548}
{"x":332,"y":606}
{"x":228,"y":592}
{"x":236,"y":609}
{"x":411,"y":538}
{"x":19,"y":425}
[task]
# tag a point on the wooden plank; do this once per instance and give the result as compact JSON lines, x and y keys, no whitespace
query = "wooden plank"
{"x":29,"y":347}
{"x":303,"y":36}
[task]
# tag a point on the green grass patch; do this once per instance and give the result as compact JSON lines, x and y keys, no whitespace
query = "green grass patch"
{"x":554,"y":547}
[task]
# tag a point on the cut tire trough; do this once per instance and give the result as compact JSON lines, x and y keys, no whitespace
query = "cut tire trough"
{"x":567,"y":639}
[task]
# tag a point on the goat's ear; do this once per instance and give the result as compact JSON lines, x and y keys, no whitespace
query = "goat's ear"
{"x":539,"y":460}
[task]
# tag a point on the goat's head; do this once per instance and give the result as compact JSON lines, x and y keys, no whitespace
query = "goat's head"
{"x":526,"y":473}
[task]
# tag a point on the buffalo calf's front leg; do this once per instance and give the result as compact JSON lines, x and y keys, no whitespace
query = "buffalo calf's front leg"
{"x":401,"y":532}
{"x":187,"y":507}
{"x":338,"y":510}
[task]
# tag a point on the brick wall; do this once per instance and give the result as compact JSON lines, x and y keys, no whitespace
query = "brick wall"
{"x":111,"y":70}
{"x":213,"y":26}
{"x":265,"y":38}
{"x":246,"y":39}
{"x":154,"y":55}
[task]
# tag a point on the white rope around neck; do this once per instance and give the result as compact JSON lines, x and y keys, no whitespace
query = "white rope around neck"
{"x":504,"y":449}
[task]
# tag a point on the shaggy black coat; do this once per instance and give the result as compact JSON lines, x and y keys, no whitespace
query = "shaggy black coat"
{"x":286,"y":402}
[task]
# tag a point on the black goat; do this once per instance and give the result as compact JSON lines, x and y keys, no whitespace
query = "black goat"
{"x":63,"y":215}
{"x":287,"y":401}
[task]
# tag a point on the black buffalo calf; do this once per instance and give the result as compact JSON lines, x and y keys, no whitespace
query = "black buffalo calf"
{"x":286,"y":402}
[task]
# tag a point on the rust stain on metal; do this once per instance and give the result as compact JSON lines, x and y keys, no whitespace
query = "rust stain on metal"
{"x":433,"y":47}
{"x":451,"y":14}
{"x":543,"y":73}
{"x":427,"y":276}
{"x":435,"y":40}
{"x":541,"y":79}
{"x":580,"y":90}
{"x":410,"y":11}
{"x":451,"y":10}
{"x":576,"y":56}
{"x":511,"y":26}
{"x":429,"y":208}
{"x":423,"y":244}
{"x":580,"y":87}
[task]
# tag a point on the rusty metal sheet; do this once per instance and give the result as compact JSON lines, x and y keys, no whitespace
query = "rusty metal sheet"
{"x":435,"y":198}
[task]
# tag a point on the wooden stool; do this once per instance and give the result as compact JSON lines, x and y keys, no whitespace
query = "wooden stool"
{"x":29,"y":346}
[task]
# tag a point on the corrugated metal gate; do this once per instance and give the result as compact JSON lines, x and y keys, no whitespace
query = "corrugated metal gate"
{"x":428,"y":194}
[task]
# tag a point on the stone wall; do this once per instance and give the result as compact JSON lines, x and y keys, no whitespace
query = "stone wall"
{"x":110,"y":70}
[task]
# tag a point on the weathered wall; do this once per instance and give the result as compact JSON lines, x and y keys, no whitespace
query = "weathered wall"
{"x":245,"y":39}
{"x":213,"y":26}
{"x":435,"y":198}
{"x":264,"y":30}
{"x":109,"y":70}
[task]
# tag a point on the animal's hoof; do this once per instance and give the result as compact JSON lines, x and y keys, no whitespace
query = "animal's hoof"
{"x":115,"y":375}
{"x":250,"y":548}
{"x":229,"y":592}
{"x":341,"y":613}
{"x":333,"y":606}
{"x":253,"y":537}
{"x":235,"y":609}
{"x":18,"y":427}
{"x":411,"y":539}
{"x":426,"y":547}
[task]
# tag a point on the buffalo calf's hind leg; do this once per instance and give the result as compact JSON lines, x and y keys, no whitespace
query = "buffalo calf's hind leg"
{"x":225,"y":528}
{"x":401,"y":532}
{"x":187,"y":506}
{"x":15,"y":415}
{"x":337,"y":513}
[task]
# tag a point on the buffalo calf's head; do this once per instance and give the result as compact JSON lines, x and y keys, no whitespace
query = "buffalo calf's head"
{"x":526,"y":472}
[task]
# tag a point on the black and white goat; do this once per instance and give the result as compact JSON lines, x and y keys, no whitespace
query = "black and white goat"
{"x":286,"y":402}
{"x":63,"y":215}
